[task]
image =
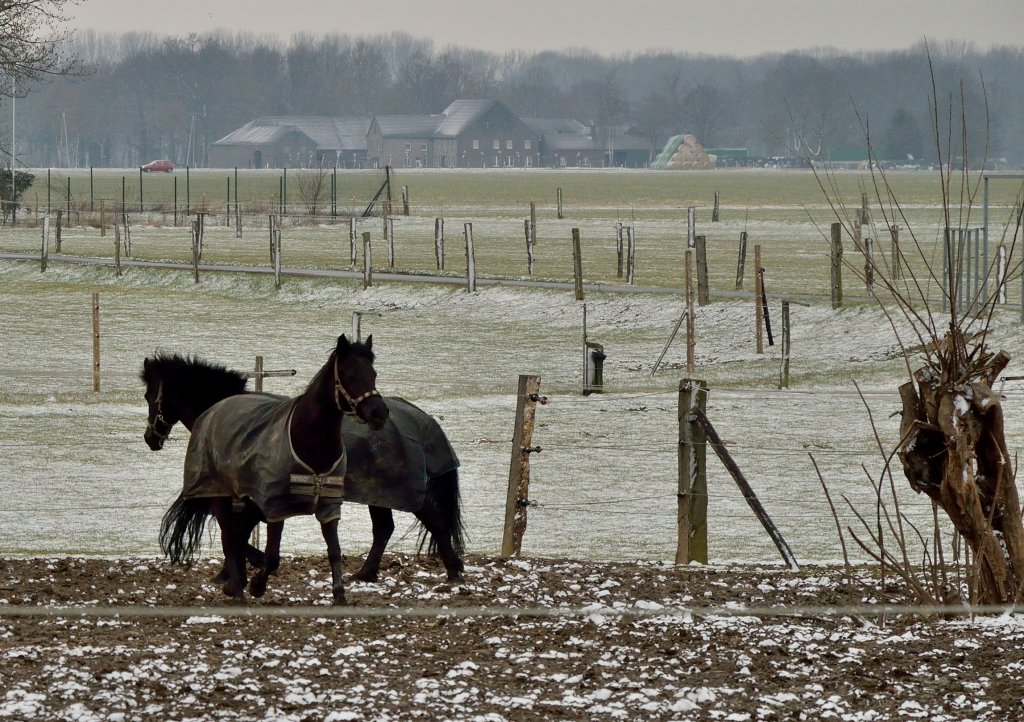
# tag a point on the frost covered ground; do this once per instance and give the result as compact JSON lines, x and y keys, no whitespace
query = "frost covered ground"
{"x":623,"y":641}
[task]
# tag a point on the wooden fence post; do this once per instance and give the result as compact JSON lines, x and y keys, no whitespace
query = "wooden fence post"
{"x":691,"y":327}
{"x":390,"y":234}
{"x":529,"y":247}
{"x":518,"y":499}
{"x":741,"y":261}
{"x":692,"y":494}
{"x":869,"y":265}
{"x":367,"y":261}
{"x":1001,"y":274}
{"x":103,"y":218}
{"x":258,"y":374}
{"x":117,"y":250}
{"x":837,"y":265}
{"x":277,"y":256}
{"x":357,"y":326}
{"x":714,"y":211}
{"x":559,"y":201}
{"x":405,"y":200}
{"x":44,"y":251}
{"x":618,"y":248}
{"x":56,"y":236}
{"x":758,"y":292}
{"x":691,"y":226}
{"x":630,"y":256}
{"x":897,"y":261}
{"x":533,"y":222}
{"x":353,"y":231}
{"x":439,"y":242}
{"x":96,"y":342}
{"x":577,"y":264}
{"x":703,"y":293}
{"x":784,"y":371}
{"x":470,"y":259}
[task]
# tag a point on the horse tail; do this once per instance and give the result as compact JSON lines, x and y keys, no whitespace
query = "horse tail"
{"x":445,"y":503}
{"x":181,"y":530}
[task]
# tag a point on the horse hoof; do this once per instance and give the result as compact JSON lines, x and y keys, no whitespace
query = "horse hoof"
{"x":455,"y":575}
{"x":258,"y":586}
{"x":220,"y":577}
{"x":365,"y":575}
{"x":235,"y":592}
{"x":339,"y":600}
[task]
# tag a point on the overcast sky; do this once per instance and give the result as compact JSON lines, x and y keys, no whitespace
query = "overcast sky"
{"x":728,"y":27}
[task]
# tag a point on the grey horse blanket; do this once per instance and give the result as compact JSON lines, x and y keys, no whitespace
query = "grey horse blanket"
{"x":241,"y":448}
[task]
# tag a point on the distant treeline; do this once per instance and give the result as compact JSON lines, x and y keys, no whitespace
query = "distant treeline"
{"x":145,"y":96}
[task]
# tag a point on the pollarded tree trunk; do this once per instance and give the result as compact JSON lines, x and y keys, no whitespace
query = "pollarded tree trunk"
{"x":954,"y":450}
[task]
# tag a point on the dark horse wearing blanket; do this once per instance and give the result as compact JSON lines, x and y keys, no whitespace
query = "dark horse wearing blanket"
{"x":425,"y":473}
{"x":279,"y":458}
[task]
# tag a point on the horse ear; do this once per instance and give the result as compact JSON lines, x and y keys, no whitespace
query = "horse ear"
{"x":369,"y":342}
{"x":343,"y":344}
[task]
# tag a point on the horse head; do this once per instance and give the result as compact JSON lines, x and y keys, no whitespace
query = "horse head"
{"x":355,"y":382}
{"x":164,"y":412}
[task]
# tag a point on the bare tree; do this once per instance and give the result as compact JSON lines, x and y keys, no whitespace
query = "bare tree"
{"x":33,"y":40}
{"x":952,"y":444}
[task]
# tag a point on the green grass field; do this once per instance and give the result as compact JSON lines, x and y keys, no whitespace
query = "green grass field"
{"x":785,"y":212}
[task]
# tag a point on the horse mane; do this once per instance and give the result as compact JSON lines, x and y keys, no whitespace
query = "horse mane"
{"x":202,"y":377}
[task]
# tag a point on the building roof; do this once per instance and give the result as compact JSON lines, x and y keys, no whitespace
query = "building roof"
{"x":551,"y":126}
{"x":408,"y":126}
{"x":460,"y":115}
{"x":328,"y":133}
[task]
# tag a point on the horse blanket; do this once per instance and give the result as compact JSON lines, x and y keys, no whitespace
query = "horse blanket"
{"x":241,"y":448}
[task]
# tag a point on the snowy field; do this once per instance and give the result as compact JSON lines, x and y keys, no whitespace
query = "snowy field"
{"x":78,"y":477}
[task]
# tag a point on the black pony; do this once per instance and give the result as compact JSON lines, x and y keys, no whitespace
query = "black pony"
{"x":182,"y":388}
{"x":279,"y":458}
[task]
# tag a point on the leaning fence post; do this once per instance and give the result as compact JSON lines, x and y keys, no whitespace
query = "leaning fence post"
{"x":837,"y":265}
{"x":96,"y":342}
{"x":741,"y":261}
{"x":692,"y":494}
{"x":258,"y":374}
{"x":577,"y":264}
{"x":784,"y":371}
{"x":57,"y":234}
{"x":529,"y":247}
{"x":758,"y":303}
{"x":518,"y":500}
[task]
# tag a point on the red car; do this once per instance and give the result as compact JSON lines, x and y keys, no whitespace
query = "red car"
{"x":164,"y":166}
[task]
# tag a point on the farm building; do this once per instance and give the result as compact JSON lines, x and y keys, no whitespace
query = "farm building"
{"x":292,"y":141}
{"x":568,"y":143}
{"x":468,"y":134}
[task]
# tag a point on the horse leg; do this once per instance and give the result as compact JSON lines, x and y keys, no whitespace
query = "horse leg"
{"x":253,"y":555}
{"x":233,"y":583}
{"x":450,"y":558}
{"x":330,"y":531}
{"x":272,"y":559}
{"x":383,"y":527}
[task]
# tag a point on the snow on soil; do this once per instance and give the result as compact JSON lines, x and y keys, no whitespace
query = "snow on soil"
{"x":639,"y":640}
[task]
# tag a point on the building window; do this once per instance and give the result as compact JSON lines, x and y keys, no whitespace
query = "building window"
{"x":527,"y":144}
{"x":527,"y":160}
{"x":496,"y":145}
{"x":408,"y":147}
{"x":423,"y":147}
{"x":476,"y":145}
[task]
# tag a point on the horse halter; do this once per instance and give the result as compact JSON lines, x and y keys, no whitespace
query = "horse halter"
{"x":159,"y":418}
{"x":340,"y":392}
